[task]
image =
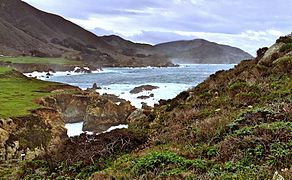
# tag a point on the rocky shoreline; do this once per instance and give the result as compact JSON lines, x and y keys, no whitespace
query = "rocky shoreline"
{"x":39,"y":67}
{"x":43,"y":131}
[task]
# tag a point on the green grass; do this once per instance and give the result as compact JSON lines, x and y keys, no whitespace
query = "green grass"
{"x":4,"y":70}
{"x":38,"y":60}
{"x":18,"y":93}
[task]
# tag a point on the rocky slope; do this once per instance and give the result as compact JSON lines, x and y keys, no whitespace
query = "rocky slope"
{"x":25,"y":30}
{"x":234,"y":125}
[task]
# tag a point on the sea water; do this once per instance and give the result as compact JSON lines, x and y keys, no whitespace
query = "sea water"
{"x":120,"y":81}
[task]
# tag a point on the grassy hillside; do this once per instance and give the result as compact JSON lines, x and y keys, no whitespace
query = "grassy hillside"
{"x":38,"y":60}
{"x":17,"y":93}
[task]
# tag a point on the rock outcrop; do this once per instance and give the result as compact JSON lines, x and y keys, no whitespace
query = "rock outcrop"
{"x":30,"y":136}
{"x":142,"y":88}
{"x":105,"y":113}
{"x":99,"y":112}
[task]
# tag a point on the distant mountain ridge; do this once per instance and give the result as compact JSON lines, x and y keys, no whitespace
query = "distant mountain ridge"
{"x":25,"y":30}
{"x":201,"y":51}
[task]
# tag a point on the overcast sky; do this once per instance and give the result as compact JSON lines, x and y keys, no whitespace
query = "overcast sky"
{"x":247,"y":24}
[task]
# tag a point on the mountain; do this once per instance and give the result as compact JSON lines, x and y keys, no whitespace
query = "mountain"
{"x":25,"y":30}
{"x":201,"y":51}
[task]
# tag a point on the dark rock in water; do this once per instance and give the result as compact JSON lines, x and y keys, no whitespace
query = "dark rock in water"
{"x":49,"y":74}
{"x":143,"y":97}
{"x":94,"y":86}
{"x":139,"y":89}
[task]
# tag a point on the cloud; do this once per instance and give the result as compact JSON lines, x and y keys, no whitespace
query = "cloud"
{"x":247,"y":24}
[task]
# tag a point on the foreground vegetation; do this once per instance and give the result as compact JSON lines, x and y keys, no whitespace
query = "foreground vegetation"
{"x":235,"y":125}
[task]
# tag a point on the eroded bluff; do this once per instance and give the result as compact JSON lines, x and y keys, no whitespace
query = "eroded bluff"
{"x":43,"y":130}
{"x":99,"y":112}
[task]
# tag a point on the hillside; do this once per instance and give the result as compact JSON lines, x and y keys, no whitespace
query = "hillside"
{"x":200,"y":51}
{"x":25,"y":30}
{"x":237,"y":124}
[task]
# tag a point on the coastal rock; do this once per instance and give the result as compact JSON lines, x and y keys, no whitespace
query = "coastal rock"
{"x":82,"y":70}
{"x":71,"y":107}
{"x":143,"y":97}
{"x":105,"y":113}
{"x":136,"y":116}
{"x":30,"y":136}
{"x":142,"y":88}
{"x":94,"y":86}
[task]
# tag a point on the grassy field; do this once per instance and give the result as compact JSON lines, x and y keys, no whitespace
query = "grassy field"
{"x":38,"y":60}
{"x":4,"y":70}
{"x":17,"y":93}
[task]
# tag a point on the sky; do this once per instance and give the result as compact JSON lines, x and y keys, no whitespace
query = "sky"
{"x":247,"y":24}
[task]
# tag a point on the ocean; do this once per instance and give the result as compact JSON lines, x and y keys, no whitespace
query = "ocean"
{"x":120,"y":81}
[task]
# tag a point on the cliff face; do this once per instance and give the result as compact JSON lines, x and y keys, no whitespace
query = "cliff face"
{"x":98,"y":112}
{"x":33,"y":135}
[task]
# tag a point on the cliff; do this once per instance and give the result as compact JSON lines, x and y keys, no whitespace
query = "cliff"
{"x":33,"y":114}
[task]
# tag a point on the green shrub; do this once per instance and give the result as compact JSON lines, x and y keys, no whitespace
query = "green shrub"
{"x":161,"y":162}
{"x":248,"y":130}
{"x":248,"y":98}
{"x":286,"y":47}
{"x":284,"y":39}
{"x":280,"y":154}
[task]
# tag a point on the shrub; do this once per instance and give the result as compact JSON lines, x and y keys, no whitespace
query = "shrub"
{"x":286,"y":47}
{"x":283,"y":64}
{"x":284,"y":39}
{"x":161,"y":162}
{"x":280,"y":154}
{"x":247,"y":98}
